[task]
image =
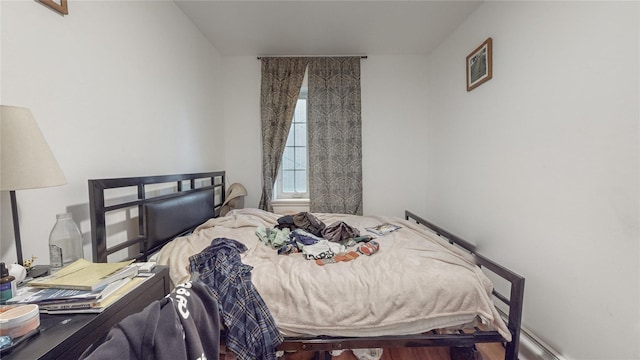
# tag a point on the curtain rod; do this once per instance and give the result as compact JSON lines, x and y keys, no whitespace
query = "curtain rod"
{"x":361,"y":56}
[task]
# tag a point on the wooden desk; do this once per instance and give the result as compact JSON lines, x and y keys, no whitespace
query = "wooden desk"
{"x":66,"y":336}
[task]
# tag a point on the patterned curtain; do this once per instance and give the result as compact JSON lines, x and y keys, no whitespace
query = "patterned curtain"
{"x":334,"y":131}
{"x":280,"y":86}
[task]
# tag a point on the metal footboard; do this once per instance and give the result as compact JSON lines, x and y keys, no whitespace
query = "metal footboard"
{"x":514,"y":301}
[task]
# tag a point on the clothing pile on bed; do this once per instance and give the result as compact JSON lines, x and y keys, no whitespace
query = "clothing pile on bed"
{"x":304,"y":232}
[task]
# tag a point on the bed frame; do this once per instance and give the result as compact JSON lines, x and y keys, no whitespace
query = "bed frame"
{"x":161,"y":218}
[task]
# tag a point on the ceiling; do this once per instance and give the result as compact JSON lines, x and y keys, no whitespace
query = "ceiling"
{"x":326,"y":27}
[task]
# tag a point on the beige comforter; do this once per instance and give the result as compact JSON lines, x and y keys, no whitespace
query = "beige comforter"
{"x":415,"y":283}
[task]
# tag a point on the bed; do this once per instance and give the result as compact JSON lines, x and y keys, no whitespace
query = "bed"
{"x":341,"y":305}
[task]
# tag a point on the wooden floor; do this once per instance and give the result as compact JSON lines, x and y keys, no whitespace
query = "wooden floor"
{"x":485,"y":352}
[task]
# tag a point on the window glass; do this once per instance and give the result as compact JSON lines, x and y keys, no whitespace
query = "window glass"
{"x":292,"y":176}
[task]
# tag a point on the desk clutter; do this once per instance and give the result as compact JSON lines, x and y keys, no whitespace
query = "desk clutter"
{"x":80,"y":287}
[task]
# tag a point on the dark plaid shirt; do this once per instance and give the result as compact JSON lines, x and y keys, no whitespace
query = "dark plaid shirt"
{"x":251,"y":331}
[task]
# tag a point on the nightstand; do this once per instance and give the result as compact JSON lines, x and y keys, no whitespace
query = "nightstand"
{"x":67,"y":336}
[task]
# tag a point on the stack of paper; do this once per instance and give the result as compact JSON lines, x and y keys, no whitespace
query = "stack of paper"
{"x":82,"y":286}
{"x":86,"y":275}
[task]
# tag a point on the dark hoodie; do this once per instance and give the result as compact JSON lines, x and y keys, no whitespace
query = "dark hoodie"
{"x":183,"y":325}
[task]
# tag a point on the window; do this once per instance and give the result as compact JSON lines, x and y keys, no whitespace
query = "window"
{"x":292,"y":176}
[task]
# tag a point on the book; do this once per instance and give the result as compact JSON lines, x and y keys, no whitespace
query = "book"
{"x":87,"y":303}
{"x":102,"y":304}
{"x":86,"y":275}
{"x":383,"y":229}
{"x":32,"y":295}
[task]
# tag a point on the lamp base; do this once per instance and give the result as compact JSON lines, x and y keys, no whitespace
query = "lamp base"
{"x":38,"y":271}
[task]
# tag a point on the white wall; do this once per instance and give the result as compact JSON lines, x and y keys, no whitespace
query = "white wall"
{"x":118,"y":89}
{"x":394,"y":127}
{"x":242,"y":137}
{"x":540,"y":165}
{"x":393,"y":130}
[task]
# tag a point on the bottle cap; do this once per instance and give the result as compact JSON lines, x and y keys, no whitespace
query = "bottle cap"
{"x":3,"y":270}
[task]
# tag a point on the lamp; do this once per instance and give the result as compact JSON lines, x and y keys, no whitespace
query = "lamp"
{"x":26,"y":162}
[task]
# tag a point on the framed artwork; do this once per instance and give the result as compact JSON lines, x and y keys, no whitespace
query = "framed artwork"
{"x":57,"y":5}
{"x":479,"y":65}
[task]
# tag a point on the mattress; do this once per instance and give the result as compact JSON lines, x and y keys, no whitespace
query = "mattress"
{"x":415,"y":283}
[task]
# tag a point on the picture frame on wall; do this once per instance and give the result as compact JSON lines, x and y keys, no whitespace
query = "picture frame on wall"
{"x":57,"y":5}
{"x":480,"y":65}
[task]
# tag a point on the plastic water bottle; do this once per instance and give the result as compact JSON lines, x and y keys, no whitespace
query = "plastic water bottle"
{"x":65,"y":242}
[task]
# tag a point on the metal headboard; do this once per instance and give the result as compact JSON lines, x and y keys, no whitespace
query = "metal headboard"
{"x":98,"y":208}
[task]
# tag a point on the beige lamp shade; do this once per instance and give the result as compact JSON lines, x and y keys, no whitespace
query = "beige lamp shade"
{"x":26,"y":161}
